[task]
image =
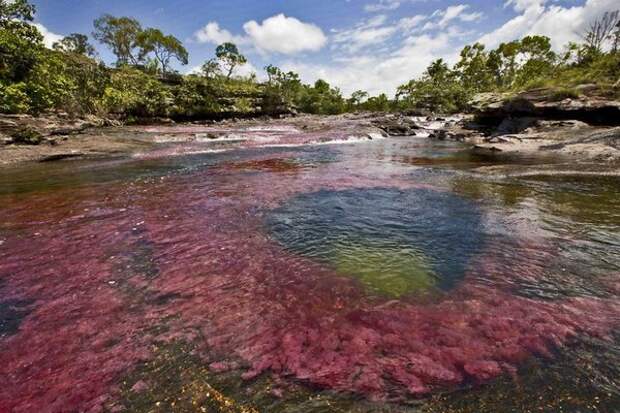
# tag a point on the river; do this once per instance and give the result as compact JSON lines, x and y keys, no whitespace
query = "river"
{"x":364,"y":275}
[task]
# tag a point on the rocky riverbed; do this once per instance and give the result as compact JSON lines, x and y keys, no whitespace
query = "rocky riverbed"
{"x":584,"y":131}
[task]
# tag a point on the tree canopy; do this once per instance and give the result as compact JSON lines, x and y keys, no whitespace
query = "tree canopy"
{"x":229,"y":56}
{"x":164,"y":48}
{"x":76,"y":43}
{"x":120,"y":35}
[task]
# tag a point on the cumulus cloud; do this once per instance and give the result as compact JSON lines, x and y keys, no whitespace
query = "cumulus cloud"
{"x":561,"y":24}
{"x":285,"y":35}
{"x":212,"y":33}
{"x":279,"y":34}
{"x":381,"y":73}
{"x":380,"y":53}
{"x":49,"y":38}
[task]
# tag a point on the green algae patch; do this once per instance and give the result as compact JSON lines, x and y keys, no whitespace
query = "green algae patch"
{"x":384,"y":269}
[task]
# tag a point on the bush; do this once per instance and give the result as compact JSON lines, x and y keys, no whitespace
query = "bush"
{"x":564,"y":93}
{"x":27,"y":136}
{"x":132,"y":92}
{"x":14,"y":98}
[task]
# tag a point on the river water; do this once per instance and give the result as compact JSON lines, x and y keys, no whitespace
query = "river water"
{"x":316,"y":276}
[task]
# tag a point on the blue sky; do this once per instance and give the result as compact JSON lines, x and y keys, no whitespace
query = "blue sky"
{"x":355,"y":44}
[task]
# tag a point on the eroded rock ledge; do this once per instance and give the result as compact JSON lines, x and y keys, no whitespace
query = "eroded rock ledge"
{"x":586,"y":128}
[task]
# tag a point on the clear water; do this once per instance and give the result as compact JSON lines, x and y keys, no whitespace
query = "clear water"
{"x":387,"y":275}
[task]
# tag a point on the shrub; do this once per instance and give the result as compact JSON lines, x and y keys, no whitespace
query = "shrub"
{"x":14,"y":98}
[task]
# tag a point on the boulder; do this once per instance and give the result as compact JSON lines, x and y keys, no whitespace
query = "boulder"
{"x":396,"y":125}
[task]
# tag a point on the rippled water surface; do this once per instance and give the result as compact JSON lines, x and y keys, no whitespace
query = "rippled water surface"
{"x":386,"y":275}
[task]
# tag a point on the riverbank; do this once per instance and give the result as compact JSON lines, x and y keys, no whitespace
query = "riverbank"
{"x":580,"y":131}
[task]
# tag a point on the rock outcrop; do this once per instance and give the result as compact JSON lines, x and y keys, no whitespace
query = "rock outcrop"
{"x":587,"y":104}
{"x":31,"y":130}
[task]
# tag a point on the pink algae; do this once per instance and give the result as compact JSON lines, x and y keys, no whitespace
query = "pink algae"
{"x":104,"y":265}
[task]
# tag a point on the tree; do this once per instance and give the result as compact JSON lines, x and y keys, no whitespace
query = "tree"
{"x":538,"y":60}
{"x":321,"y":99}
{"x":76,"y":43}
{"x":273,"y":73}
{"x":120,"y":34}
{"x":211,"y":69}
{"x":229,"y":56}
{"x":357,"y":98}
{"x":615,"y":39}
{"x":438,"y":90}
{"x":600,"y":31}
{"x":164,"y":48}
{"x":503,"y":63}
{"x":473,"y":68}
{"x":20,"y":41}
{"x":379,"y":103}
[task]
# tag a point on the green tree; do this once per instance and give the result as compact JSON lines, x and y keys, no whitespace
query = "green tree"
{"x":120,"y":35}
{"x":211,"y":69}
{"x":438,"y":90}
{"x":20,"y":41}
{"x":379,"y":103}
{"x":76,"y":43}
{"x":357,"y":98}
{"x":229,"y":56}
{"x":321,"y":99}
{"x":473,"y":68}
{"x":164,"y":48}
{"x":132,"y":92}
{"x":537,"y":57}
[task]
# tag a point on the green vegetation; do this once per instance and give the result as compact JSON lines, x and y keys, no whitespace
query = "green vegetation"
{"x":70,"y":78}
{"x":517,"y":66}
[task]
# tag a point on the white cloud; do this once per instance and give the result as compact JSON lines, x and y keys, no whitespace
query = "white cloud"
{"x":279,"y":33}
{"x":381,"y":73}
{"x":457,"y":12}
{"x":285,"y":35}
{"x":380,"y":53}
{"x":49,"y":38}
{"x":366,"y":33}
{"x":382,"y":5}
{"x":212,"y":33}
{"x":411,"y":23}
{"x":561,"y":24}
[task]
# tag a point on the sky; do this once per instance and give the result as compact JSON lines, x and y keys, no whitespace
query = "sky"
{"x":373,"y":45}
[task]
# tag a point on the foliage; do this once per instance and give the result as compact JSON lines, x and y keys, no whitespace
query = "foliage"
{"x":164,"y":48}
{"x":14,"y":98}
{"x":120,"y":35}
{"x":229,"y":57}
{"x":211,"y":69}
{"x":439,"y":90}
{"x":321,"y":99}
{"x":76,"y":43}
{"x":34,"y":79}
{"x":132,"y":92}
{"x":19,"y":40}
{"x":27,"y":136}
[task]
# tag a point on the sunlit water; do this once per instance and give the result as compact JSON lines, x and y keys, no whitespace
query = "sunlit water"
{"x":307,"y":278}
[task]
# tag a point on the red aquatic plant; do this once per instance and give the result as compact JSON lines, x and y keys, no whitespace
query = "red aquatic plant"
{"x":106,"y":266}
